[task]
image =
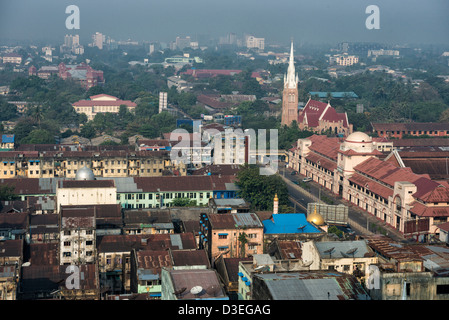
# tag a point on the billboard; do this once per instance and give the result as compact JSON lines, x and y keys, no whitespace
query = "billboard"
{"x":332,"y":214}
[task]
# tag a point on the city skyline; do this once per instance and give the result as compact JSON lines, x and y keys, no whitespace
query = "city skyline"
{"x":324,"y":21}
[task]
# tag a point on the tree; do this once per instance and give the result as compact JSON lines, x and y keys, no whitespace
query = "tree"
{"x":183,"y":202}
{"x":7,"y":193}
{"x":259,"y":190}
{"x":39,"y":136}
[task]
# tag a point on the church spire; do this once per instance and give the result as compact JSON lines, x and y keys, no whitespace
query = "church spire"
{"x":291,"y":80}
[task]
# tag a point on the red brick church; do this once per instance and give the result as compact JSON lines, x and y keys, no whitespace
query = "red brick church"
{"x":316,"y":116}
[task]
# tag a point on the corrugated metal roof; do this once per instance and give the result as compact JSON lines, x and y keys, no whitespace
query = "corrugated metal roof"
{"x":317,"y":285}
{"x":342,"y":249}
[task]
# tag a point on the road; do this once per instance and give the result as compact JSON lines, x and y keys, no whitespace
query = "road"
{"x":366,"y":223}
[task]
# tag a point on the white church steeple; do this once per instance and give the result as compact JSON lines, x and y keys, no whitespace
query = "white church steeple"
{"x":291,"y":79}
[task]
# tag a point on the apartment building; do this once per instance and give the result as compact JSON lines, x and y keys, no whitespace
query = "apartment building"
{"x":77,"y":236}
{"x":66,"y":164}
{"x":132,"y":192}
{"x":231,"y":235}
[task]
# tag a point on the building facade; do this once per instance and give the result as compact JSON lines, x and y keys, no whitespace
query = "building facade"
{"x":353,"y":169}
{"x":102,"y":103}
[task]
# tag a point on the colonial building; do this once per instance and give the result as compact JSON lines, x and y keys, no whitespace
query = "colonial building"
{"x":416,"y":129}
{"x":102,"y":103}
{"x":355,"y":169}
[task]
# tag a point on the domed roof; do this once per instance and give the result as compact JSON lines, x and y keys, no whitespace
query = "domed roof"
{"x":85,"y":173}
{"x":315,"y":218}
{"x":358,"y":137}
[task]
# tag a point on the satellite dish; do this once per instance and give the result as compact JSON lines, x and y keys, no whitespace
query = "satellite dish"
{"x":196,"y":290}
{"x":307,"y":264}
{"x":352,"y":251}
{"x":329,"y":250}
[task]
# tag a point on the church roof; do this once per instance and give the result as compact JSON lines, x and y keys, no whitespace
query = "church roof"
{"x":316,"y":111}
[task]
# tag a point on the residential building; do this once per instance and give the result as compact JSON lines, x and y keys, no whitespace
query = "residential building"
{"x":146,"y":266}
{"x":408,"y":271}
{"x":344,"y":59}
{"x":185,"y":283}
{"x":72,"y":45}
{"x":254,"y":43}
{"x":98,"y":39}
{"x":8,"y":142}
{"x":231,"y":235}
{"x":85,"y":192}
{"x":12,"y":57}
{"x":383,"y":52}
{"x":132,"y":193}
{"x":77,"y":236}
{"x":60,"y":163}
{"x":316,"y":285}
{"x":49,"y":282}
{"x":147,"y":222}
{"x":102,"y":103}
{"x":114,"y":254}
{"x":44,"y":228}
{"x":351,"y":257}
{"x":9,"y":280}
{"x":222,"y":206}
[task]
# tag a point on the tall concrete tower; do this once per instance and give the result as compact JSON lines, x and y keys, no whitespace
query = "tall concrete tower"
{"x":290,"y":93}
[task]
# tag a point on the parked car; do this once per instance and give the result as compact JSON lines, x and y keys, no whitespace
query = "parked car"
{"x":294,"y":173}
{"x":306,"y":179}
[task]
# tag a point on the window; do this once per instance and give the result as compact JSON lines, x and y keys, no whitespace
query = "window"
{"x":67,"y":233}
{"x":442,"y":288}
{"x":89,"y":232}
{"x":66,"y":243}
{"x":222,"y":236}
{"x":89,"y":243}
{"x":66,"y":254}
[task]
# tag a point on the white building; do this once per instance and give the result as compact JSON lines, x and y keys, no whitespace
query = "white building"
{"x":84,"y":190}
{"x":255,"y":43}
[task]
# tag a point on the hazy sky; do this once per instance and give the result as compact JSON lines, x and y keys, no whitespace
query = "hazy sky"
{"x":307,"y":21}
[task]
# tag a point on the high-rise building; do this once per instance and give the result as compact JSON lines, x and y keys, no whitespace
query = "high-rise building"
{"x":255,"y":43}
{"x":162,"y":101}
{"x":98,"y":40}
{"x":290,"y":93}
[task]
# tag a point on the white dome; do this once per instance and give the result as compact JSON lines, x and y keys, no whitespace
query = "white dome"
{"x":358,"y":137}
{"x":85,"y":174}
